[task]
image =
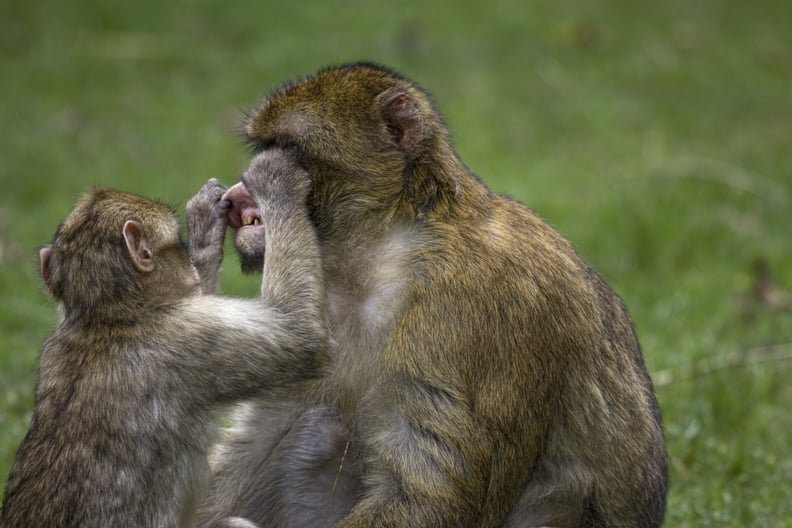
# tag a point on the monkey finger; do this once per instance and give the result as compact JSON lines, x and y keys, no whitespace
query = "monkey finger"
{"x":214,"y":182}
{"x":214,"y":190}
{"x":223,"y":207}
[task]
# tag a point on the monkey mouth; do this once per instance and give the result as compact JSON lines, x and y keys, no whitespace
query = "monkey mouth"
{"x":250,"y":217}
{"x":244,"y":212}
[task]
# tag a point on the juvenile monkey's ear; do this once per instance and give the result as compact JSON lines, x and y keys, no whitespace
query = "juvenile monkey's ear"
{"x":44,"y":257}
{"x":138,"y":247}
{"x":404,"y":122}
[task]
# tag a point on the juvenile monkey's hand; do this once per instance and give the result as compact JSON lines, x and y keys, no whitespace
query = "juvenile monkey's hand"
{"x":206,"y":228}
{"x":275,"y":179}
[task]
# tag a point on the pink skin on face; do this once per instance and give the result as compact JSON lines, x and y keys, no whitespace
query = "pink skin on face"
{"x":245,"y":219}
{"x":244,"y":211}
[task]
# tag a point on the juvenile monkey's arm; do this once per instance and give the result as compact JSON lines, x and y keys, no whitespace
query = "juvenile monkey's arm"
{"x":245,"y":346}
{"x":239,"y":348}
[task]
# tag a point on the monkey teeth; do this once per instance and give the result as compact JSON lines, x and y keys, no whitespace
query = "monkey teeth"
{"x":251,"y":220}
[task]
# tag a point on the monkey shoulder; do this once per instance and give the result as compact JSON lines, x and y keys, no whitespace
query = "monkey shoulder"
{"x":502,"y":272}
{"x":505,"y":250}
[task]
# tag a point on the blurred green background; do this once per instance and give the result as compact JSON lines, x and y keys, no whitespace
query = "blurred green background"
{"x":654,"y":135}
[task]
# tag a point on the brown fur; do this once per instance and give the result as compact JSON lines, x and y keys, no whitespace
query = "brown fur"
{"x":482,"y":373}
{"x":130,"y":379}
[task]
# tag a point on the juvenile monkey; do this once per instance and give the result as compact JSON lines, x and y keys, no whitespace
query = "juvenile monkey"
{"x":482,"y":374}
{"x":130,"y":379}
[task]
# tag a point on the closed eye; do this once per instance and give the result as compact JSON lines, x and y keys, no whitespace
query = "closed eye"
{"x":284,"y":142}
{"x":259,"y":145}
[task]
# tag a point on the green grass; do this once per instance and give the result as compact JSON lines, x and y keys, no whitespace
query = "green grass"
{"x":655,"y":135}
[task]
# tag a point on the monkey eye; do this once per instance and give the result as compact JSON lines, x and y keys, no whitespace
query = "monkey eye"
{"x":281,"y":142}
{"x":259,"y":145}
{"x":285,"y":143}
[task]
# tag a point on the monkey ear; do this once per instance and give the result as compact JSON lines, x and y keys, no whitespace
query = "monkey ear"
{"x":44,"y":257}
{"x":138,"y":247}
{"x":403,"y":121}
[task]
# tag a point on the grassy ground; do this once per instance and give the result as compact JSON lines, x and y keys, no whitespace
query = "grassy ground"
{"x":655,"y":135}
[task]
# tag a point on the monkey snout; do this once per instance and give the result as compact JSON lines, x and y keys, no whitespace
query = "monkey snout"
{"x":236,"y":193}
{"x":243,"y":210}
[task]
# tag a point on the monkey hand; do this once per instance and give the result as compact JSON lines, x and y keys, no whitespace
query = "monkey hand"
{"x":206,"y":228}
{"x":275,"y":179}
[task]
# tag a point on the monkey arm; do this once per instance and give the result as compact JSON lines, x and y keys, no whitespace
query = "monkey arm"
{"x":449,"y":439}
{"x":250,"y":345}
{"x":428,"y":469}
{"x":429,"y":457}
{"x":292,"y":276}
{"x":233,"y":349}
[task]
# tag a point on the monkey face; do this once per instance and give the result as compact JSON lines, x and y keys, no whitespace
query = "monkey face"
{"x":244,"y":218}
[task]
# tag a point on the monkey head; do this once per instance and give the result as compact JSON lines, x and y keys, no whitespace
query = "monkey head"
{"x":368,"y":139}
{"x":116,"y":250}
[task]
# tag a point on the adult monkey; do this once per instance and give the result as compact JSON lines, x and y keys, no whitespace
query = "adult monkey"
{"x":483,"y":374}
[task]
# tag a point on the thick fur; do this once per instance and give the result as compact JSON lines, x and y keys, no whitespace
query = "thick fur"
{"x":130,"y":379}
{"x":482,"y":374}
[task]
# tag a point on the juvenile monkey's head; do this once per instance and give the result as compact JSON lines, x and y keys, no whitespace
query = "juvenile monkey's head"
{"x":371,"y":141}
{"x":116,"y":252}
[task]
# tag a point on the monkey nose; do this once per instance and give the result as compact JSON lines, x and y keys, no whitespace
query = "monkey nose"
{"x":235,"y":193}
{"x":243,"y":210}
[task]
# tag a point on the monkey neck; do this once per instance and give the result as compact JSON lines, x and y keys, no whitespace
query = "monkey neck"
{"x":125,"y":301}
{"x":437,"y":193}
{"x":388,"y":192}
{"x":98,"y":312}
{"x":103,"y":295}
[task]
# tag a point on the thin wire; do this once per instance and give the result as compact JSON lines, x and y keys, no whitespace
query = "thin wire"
{"x":335,"y":483}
